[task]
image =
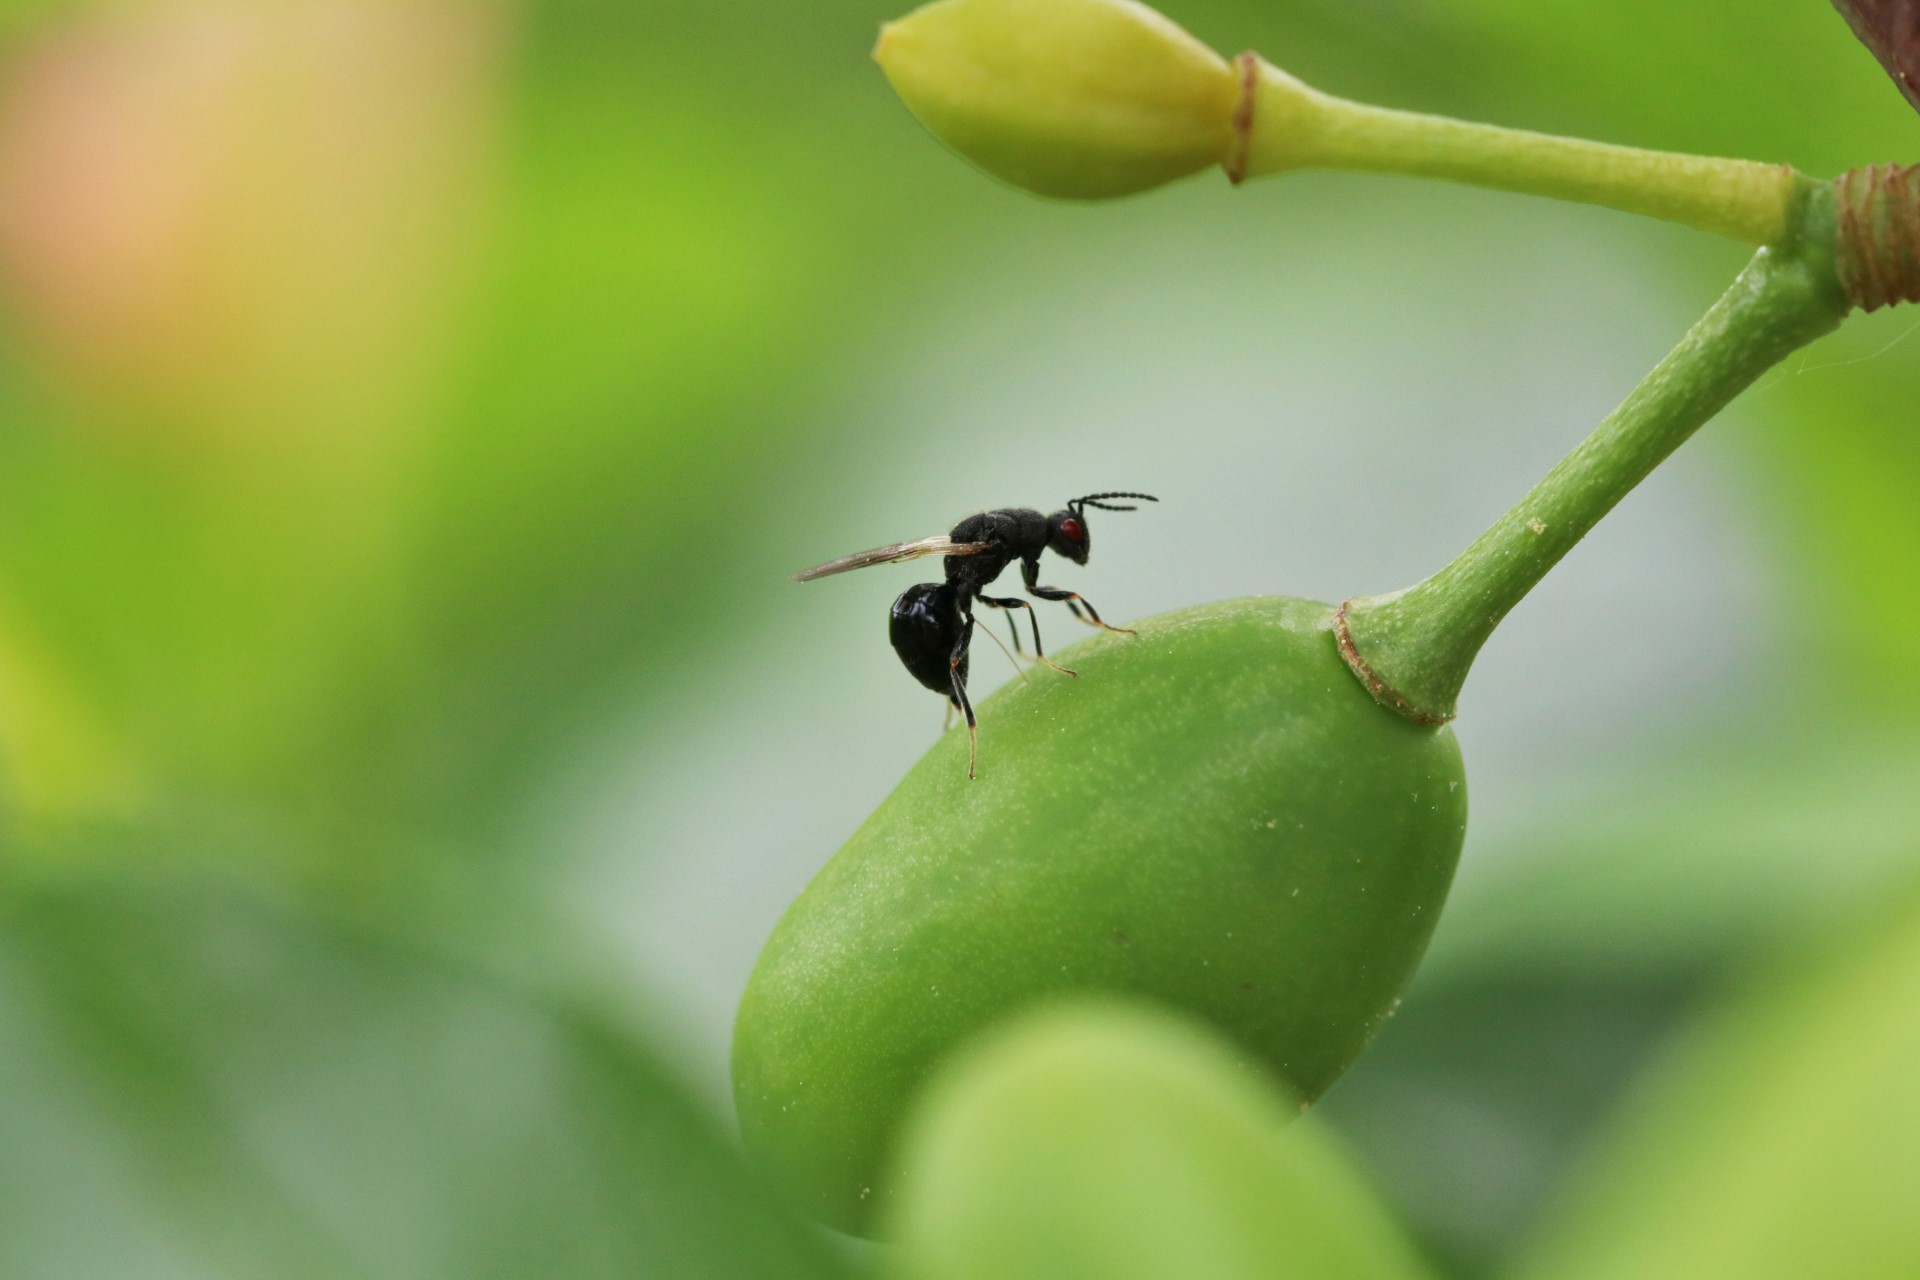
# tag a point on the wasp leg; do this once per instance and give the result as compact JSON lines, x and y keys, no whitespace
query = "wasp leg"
{"x":1010,"y":603}
{"x":1076,"y":602}
{"x":960,"y":694}
{"x":1030,"y":573}
{"x":1013,"y":628}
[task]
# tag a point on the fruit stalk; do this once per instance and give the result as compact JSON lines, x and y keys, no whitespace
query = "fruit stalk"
{"x":1281,"y":124}
{"x":1412,"y":649}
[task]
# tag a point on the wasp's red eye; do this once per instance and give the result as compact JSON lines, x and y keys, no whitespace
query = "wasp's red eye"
{"x":1070,"y":530}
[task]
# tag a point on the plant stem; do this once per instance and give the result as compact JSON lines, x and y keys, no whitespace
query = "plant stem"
{"x":1282,"y":124}
{"x":1413,"y":648}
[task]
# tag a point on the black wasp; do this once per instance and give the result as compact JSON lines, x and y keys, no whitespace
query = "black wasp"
{"x":933,"y":622}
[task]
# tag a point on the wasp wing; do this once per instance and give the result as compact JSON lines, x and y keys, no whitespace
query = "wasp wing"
{"x":940,"y":546}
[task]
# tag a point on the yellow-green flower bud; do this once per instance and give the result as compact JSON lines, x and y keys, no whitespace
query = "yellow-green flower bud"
{"x":1076,"y":98}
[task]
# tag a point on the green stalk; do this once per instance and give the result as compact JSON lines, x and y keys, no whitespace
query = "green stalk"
{"x":1412,"y":649}
{"x":1282,"y":124}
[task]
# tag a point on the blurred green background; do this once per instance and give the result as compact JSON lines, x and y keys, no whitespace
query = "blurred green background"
{"x":410,"y":411}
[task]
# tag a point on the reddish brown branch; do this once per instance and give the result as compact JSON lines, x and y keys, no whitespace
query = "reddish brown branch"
{"x":1891,"y":28}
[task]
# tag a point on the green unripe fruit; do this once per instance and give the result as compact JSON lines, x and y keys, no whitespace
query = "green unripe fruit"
{"x":1215,"y":815}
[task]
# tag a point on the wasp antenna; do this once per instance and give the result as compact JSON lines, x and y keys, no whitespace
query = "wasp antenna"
{"x":1095,"y":500}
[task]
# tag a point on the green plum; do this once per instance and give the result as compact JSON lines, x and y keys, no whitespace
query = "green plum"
{"x":1215,"y":815}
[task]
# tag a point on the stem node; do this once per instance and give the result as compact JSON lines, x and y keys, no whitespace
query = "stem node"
{"x":1878,"y":249}
{"x":1383,"y":693}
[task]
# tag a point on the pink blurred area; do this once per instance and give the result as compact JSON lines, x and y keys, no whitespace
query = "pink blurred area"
{"x":236,"y":224}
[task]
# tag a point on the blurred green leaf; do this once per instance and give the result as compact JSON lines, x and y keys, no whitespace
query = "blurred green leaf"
{"x":1838,"y":463}
{"x":1476,"y":1100}
{"x":1111,"y":1142}
{"x":1577,"y":943}
{"x":1782,"y":1139}
{"x":1785,"y":81}
{"x":1689,"y":865}
{"x":198,"y":1082}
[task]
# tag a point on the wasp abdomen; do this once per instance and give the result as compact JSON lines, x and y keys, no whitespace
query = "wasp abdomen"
{"x":925,"y":629}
